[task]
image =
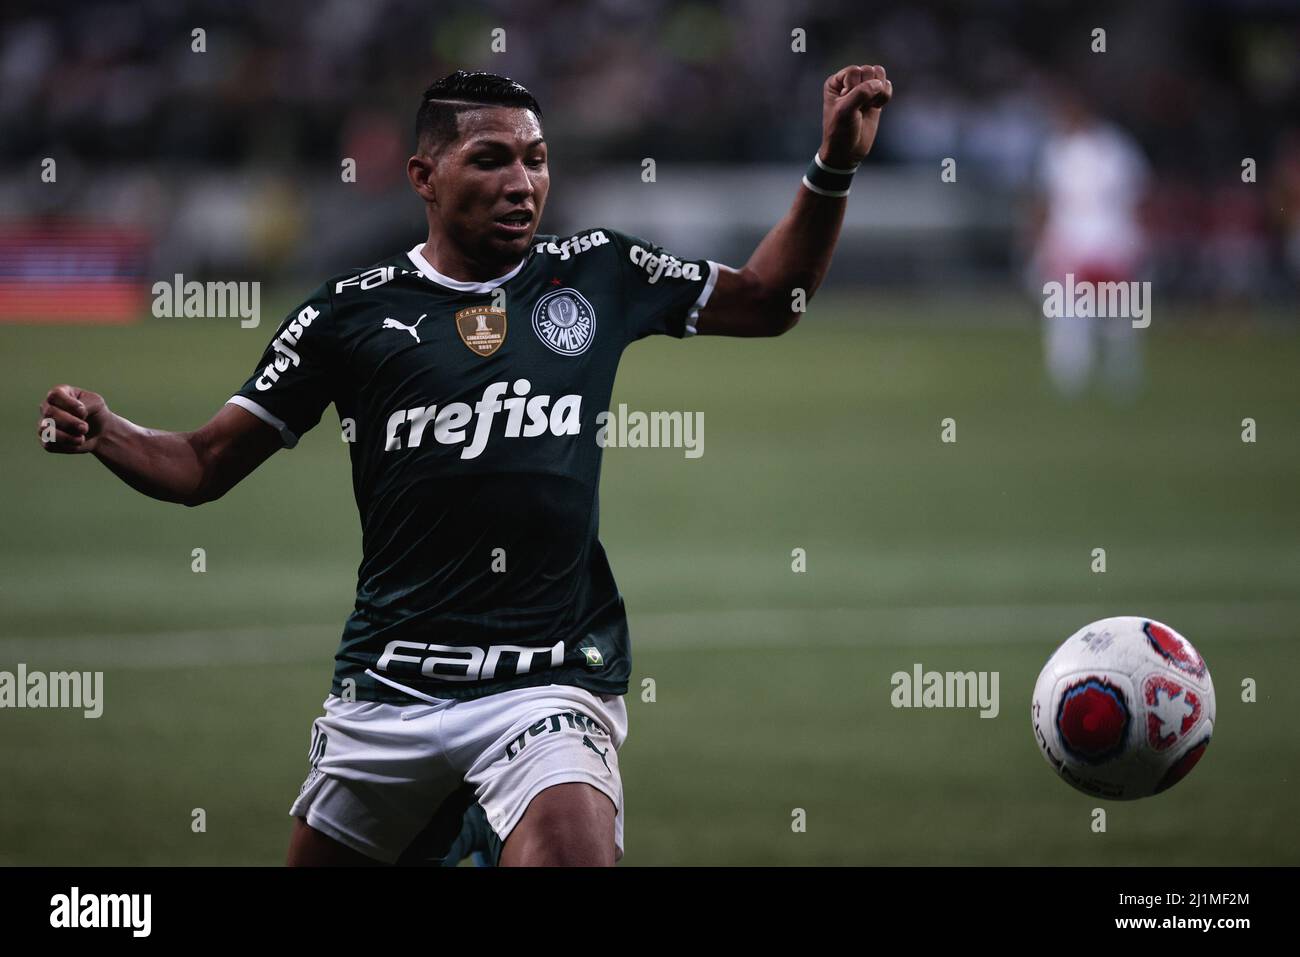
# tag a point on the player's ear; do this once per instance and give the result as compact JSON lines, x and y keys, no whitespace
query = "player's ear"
{"x":419,"y":170}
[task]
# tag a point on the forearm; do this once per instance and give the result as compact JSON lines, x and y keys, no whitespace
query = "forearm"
{"x":162,"y":465}
{"x":797,"y":253}
{"x":767,"y":295}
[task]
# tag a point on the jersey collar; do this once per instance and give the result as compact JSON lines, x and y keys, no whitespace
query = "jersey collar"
{"x":427,"y":270}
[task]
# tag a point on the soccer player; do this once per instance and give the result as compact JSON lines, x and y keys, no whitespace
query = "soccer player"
{"x":1093,"y":180}
{"x":480,"y":676}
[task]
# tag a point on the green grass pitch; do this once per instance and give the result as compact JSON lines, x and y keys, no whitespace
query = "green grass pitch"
{"x":771,"y":688}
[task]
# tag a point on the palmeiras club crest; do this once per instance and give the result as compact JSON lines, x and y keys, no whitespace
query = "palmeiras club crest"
{"x":482,"y":328}
{"x":565,"y":321}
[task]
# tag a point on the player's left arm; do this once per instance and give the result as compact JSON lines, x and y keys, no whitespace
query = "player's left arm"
{"x":759,"y":298}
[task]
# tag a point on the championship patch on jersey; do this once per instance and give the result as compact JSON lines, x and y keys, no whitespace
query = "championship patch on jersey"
{"x":482,"y":328}
{"x":565,"y":321}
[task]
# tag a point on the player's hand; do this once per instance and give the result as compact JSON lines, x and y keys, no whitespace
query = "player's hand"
{"x":71,"y":420}
{"x":851,"y":104}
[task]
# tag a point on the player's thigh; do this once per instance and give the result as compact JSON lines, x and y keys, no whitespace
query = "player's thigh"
{"x":377,"y":774}
{"x":568,"y":824}
{"x":309,"y":847}
{"x":518,"y":745}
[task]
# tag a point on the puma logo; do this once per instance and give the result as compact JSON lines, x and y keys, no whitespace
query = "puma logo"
{"x":394,"y":324}
{"x":586,"y":741}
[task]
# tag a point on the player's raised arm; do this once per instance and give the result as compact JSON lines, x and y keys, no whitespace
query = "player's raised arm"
{"x":758,"y":299}
{"x":289,"y":388}
{"x":185,"y":467}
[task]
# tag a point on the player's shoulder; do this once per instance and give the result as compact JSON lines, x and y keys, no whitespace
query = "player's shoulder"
{"x":349,"y":295}
{"x":603,"y":247}
{"x":363,"y":281}
{"x":564,"y":248}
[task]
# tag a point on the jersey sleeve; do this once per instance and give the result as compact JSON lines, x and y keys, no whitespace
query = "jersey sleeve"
{"x":292,"y":384}
{"x":662,"y":294}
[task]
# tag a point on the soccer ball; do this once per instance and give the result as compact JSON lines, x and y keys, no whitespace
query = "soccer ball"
{"x":1124,"y":708}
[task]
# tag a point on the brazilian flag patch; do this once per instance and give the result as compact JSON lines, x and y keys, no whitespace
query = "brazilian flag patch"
{"x":594,"y":659}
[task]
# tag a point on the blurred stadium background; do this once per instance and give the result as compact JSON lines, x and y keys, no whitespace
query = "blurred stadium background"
{"x":772,"y":687}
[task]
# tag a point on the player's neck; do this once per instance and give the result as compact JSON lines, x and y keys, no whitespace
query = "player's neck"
{"x":454,"y":266}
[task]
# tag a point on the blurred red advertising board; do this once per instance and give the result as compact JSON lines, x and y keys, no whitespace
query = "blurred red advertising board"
{"x":73,"y":271}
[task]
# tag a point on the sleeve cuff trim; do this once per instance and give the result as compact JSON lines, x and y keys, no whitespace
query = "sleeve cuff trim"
{"x":703,"y":300}
{"x":286,"y":436}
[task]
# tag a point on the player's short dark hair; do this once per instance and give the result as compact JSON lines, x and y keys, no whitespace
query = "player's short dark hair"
{"x":436,"y":124}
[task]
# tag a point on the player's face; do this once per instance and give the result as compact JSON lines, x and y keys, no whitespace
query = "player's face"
{"x":492,"y":183}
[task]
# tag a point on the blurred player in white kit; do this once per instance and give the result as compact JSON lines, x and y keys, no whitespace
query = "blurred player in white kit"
{"x":1092,"y":178}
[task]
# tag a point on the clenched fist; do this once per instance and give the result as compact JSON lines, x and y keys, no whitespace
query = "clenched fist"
{"x":851,"y":104}
{"x":71,"y":419}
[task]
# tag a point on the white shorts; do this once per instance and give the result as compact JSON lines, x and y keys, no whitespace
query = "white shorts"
{"x":384,"y":775}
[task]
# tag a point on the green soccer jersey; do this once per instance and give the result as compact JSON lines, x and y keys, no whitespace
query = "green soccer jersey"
{"x":472,"y":409}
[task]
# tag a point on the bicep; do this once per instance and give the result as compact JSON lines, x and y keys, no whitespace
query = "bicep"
{"x":739,"y":306}
{"x":231,"y":446}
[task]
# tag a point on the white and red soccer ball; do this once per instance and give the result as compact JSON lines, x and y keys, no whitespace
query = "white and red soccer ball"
{"x":1124,"y":708}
